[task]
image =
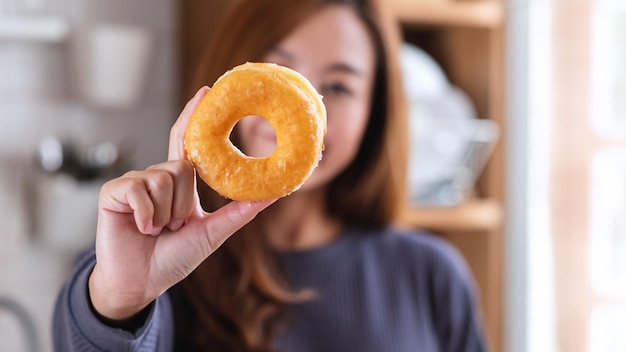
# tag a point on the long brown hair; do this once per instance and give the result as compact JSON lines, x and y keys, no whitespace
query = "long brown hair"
{"x":234,"y":300}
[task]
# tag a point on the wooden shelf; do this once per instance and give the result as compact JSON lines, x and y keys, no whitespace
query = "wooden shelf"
{"x":475,"y":215}
{"x":467,"y":37}
{"x":477,"y":13}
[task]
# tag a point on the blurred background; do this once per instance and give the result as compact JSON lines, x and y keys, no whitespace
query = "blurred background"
{"x":518,"y":147}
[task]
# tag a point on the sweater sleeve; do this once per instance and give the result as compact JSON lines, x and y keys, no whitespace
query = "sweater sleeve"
{"x":458,"y":320}
{"x":75,"y":328}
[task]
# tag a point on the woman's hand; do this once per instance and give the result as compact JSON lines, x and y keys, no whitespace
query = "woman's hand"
{"x":152,"y":231}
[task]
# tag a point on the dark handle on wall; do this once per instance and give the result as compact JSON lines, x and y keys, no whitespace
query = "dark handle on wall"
{"x":28,"y":326}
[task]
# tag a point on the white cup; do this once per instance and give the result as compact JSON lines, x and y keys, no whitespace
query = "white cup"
{"x":111,"y":63}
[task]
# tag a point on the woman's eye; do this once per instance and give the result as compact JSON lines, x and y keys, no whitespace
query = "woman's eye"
{"x":336,"y":89}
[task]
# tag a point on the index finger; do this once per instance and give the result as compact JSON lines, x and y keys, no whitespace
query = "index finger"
{"x":176,"y":149}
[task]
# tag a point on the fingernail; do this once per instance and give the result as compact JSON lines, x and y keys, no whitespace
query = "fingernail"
{"x":176,"y":225}
{"x":201,"y":92}
{"x":156,"y":231}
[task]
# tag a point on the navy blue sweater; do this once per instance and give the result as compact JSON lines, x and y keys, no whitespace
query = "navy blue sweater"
{"x":390,"y":291}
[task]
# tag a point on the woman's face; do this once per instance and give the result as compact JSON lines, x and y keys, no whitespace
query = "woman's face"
{"x":334,"y":51}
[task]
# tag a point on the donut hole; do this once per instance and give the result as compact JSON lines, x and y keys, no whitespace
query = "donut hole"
{"x":255,"y":136}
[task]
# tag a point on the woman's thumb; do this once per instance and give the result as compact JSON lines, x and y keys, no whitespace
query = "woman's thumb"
{"x":222,"y":223}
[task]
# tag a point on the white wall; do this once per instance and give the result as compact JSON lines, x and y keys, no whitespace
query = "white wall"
{"x":38,"y":98}
{"x":529,"y":274}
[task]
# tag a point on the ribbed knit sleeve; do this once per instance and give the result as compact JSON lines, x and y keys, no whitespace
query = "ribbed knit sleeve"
{"x":76,"y":329}
{"x":457,"y":322}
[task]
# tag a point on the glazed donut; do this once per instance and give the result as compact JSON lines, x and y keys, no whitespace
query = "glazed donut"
{"x":292,"y":106}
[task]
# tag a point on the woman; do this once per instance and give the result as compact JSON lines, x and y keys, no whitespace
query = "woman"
{"x":319,"y":270}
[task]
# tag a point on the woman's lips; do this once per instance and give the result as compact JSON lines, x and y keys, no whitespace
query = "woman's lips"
{"x":270,"y":137}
